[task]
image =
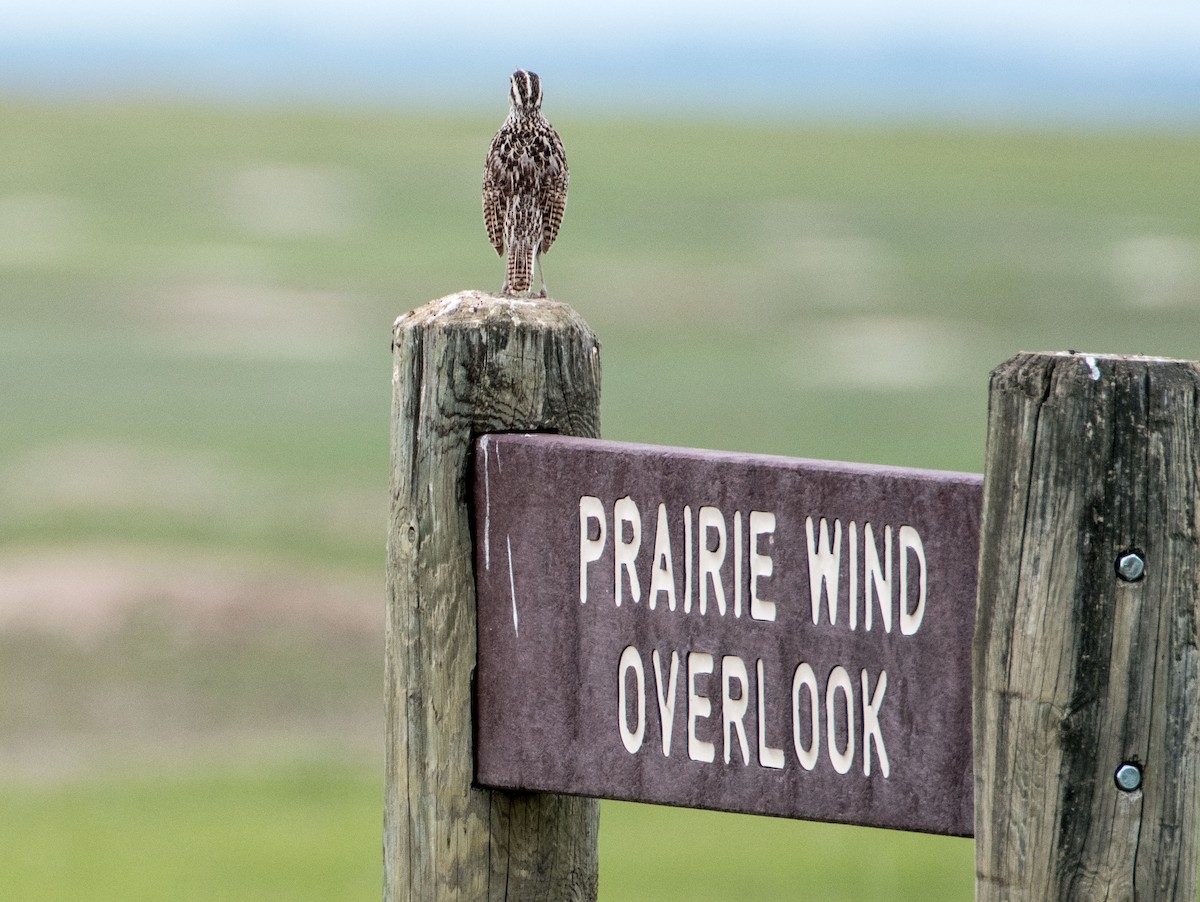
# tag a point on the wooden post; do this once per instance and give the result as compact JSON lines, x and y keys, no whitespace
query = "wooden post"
{"x":1077,"y":669}
{"x":468,"y":364}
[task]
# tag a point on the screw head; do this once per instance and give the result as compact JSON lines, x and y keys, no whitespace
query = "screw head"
{"x":1128,"y":777}
{"x":1131,"y":566}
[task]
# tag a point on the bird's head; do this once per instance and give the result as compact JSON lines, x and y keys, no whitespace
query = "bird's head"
{"x":526,"y":92}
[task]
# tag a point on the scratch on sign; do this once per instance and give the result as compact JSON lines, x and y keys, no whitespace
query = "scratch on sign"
{"x":512,"y":587}
{"x":487,"y":510}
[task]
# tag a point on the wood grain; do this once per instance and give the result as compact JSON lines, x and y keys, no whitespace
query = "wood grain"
{"x":1077,"y":671}
{"x":465,"y":365}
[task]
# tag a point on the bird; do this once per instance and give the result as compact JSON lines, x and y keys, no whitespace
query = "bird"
{"x":524,"y":186}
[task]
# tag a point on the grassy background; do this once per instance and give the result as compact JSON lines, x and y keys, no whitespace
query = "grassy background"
{"x":195,"y":309}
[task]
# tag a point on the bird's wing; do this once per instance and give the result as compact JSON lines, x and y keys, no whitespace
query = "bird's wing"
{"x":554,"y":193}
{"x":493,"y":199}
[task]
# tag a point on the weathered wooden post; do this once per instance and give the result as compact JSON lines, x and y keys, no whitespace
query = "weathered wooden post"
{"x":1086,"y":716}
{"x":468,"y":364}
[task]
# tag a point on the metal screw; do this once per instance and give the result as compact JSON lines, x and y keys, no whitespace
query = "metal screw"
{"x":1128,"y":777}
{"x":1131,"y":566}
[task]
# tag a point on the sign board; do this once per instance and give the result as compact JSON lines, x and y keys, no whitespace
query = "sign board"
{"x":727,"y":631}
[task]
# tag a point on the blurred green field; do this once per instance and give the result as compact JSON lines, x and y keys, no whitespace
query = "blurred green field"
{"x":277,"y":833}
{"x":195,"y":311}
{"x":311,"y":831}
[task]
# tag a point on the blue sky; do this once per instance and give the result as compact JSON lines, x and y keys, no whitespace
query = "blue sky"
{"x":1112,"y":23}
{"x":1105,"y":58}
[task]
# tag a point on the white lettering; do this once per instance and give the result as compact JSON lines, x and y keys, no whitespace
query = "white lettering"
{"x":666,"y":703}
{"x":767,"y":756}
{"x":871,"y":730}
{"x":762,"y":523}
{"x":806,"y":754}
{"x":687,"y":559}
{"x":733,"y":710}
{"x":878,"y":578}
{"x":853,"y":529}
{"x":625,"y":510}
{"x":839,"y":702}
{"x":737,"y":563}
{"x":662,"y":577}
{"x":699,"y":707}
{"x":823,"y":565}
{"x":590,"y":509}
{"x":841,"y":759}
{"x":711,"y":560}
{"x":910,"y":621}
{"x":631,"y":661}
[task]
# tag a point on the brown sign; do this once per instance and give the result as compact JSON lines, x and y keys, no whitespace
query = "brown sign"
{"x":727,"y":631}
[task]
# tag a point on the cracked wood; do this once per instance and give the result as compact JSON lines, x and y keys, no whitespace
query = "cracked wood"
{"x":468,"y":364}
{"x":1076,"y":670}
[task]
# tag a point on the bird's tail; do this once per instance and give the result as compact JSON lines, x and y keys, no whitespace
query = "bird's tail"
{"x":519,"y":277}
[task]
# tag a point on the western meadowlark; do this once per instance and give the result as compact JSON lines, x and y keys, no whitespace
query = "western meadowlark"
{"x":524,"y":185}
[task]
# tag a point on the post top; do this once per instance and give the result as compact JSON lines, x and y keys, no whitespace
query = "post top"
{"x":1035,"y":371}
{"x":1084,"y":355}
{"x":474,"y":308}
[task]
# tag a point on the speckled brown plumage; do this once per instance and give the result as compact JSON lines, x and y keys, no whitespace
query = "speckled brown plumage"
{"x":524,"y":185}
